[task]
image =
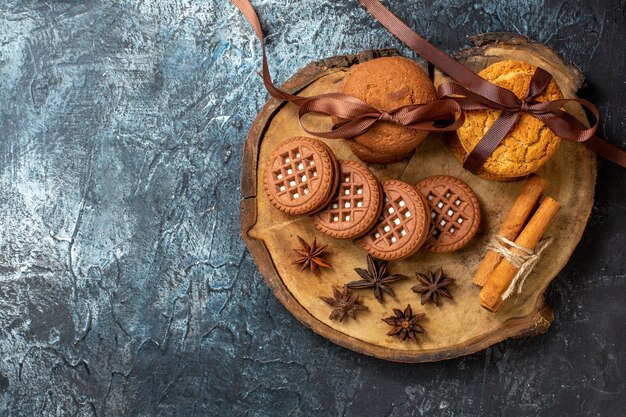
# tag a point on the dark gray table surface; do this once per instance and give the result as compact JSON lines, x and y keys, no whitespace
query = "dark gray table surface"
{"x":125,"y":288}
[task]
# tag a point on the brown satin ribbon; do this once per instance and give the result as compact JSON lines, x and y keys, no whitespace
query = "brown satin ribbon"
{"x":470,"y":92}
{"x":474,"y":93}
{"x":359,"y":115}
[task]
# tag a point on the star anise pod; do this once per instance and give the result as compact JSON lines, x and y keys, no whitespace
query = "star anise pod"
{"x":344,"y":303}
{"x":310,"y":256}
{"x":375,"y":277}
{"x":405,"y":323}
{"x":432,"y":286}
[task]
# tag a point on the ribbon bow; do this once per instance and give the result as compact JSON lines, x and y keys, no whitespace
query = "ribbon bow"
{"x":357,"y":116}
{"x":560,"y":122}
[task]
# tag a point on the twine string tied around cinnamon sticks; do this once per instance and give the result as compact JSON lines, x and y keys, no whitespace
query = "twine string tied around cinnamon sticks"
{"x":523,"y":259}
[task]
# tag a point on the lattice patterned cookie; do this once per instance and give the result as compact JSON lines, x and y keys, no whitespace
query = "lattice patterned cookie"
{"x":454,"y":210}
{"x":301,"y":176}
{"x":403,"y":225}
{"x":356,"y":205}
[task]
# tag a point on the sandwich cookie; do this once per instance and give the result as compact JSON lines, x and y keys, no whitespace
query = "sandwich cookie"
{"x":454,"y":210}
{"x":356,"y":205}
{"x":403,"y":225}
{"x":301,"y":175}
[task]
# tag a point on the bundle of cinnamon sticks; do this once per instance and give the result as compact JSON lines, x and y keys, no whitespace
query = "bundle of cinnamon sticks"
{"x":524,"y":226}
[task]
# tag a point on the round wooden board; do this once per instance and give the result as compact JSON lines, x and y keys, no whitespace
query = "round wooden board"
{"x":457,"y":327}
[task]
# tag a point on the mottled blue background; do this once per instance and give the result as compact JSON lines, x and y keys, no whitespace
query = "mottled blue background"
{"x":125,"y":289}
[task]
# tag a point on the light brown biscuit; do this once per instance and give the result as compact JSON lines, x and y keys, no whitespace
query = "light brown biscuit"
{"x":301,"y":175}
{"x":403,"y":225}
{"x":530,"y":143}
{"x":388,"y":83}
{"x":454,"y":211}
{"x":355,"y":206}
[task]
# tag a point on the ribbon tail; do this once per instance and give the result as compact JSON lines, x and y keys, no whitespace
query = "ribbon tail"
{"x":248,"y":12}
{"x":606,"y":150}
{"x":584,"y":134}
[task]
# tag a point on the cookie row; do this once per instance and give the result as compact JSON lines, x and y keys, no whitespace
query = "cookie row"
{"x":346,"y":201}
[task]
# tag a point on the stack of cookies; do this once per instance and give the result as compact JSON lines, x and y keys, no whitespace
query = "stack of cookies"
{"x":301,"y":176}
{"x":527,"y":146}
{"x":345,"y":200}
{"x":387,"y":84}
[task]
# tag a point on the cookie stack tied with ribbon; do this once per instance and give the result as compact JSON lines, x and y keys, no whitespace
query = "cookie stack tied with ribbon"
{"x":467,"y":93}
{"x":387,"y":84}
{"x":527,"y":146}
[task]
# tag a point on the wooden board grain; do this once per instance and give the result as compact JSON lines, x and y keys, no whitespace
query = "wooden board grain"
{"x":457,"y":327}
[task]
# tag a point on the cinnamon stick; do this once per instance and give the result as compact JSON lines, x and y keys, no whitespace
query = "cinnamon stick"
{"x":513,"y":223}
{"x":501,"y":277}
